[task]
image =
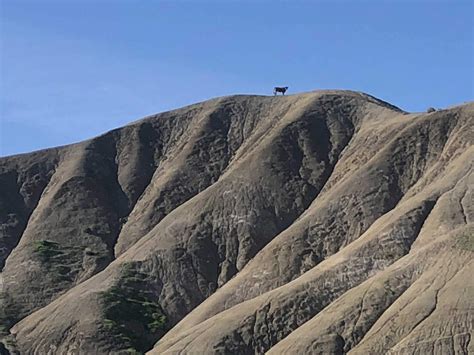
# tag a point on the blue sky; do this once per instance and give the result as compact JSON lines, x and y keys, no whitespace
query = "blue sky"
{"x":73,"y":69}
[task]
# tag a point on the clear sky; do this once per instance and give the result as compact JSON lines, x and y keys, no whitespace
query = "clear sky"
{"x":72,"y":69}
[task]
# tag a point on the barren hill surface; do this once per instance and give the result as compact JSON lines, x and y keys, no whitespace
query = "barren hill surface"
{"x":328,"y":222}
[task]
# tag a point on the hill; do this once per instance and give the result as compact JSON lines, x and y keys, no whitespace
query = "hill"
{"x":328,"y":222}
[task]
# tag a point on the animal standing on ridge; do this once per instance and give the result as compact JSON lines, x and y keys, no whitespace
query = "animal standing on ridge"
{"x":277,"y":89}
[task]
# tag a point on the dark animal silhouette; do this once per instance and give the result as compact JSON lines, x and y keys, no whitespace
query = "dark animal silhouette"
{"x":277,"y":89}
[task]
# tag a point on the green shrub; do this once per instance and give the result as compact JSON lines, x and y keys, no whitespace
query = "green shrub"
{"x":130,"y":313}
{"x":47,"y":249}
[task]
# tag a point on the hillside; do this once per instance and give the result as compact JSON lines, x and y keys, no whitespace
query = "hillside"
{"x":328,"y":222}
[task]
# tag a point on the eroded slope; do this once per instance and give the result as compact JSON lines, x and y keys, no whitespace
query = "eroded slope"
{"x":245,"y":219}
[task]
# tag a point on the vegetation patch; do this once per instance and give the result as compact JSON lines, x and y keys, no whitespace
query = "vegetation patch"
{"x":466,"y":241}
{"x":63,"y":262}
{"x":57,"y":259}
{"x":47,"y":249}
{"x":130,"y":313}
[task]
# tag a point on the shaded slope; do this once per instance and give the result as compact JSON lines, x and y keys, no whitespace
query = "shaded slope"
{"x":22,"y":181}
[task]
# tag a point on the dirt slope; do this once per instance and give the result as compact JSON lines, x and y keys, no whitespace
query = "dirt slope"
{"x":326,"y":222}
